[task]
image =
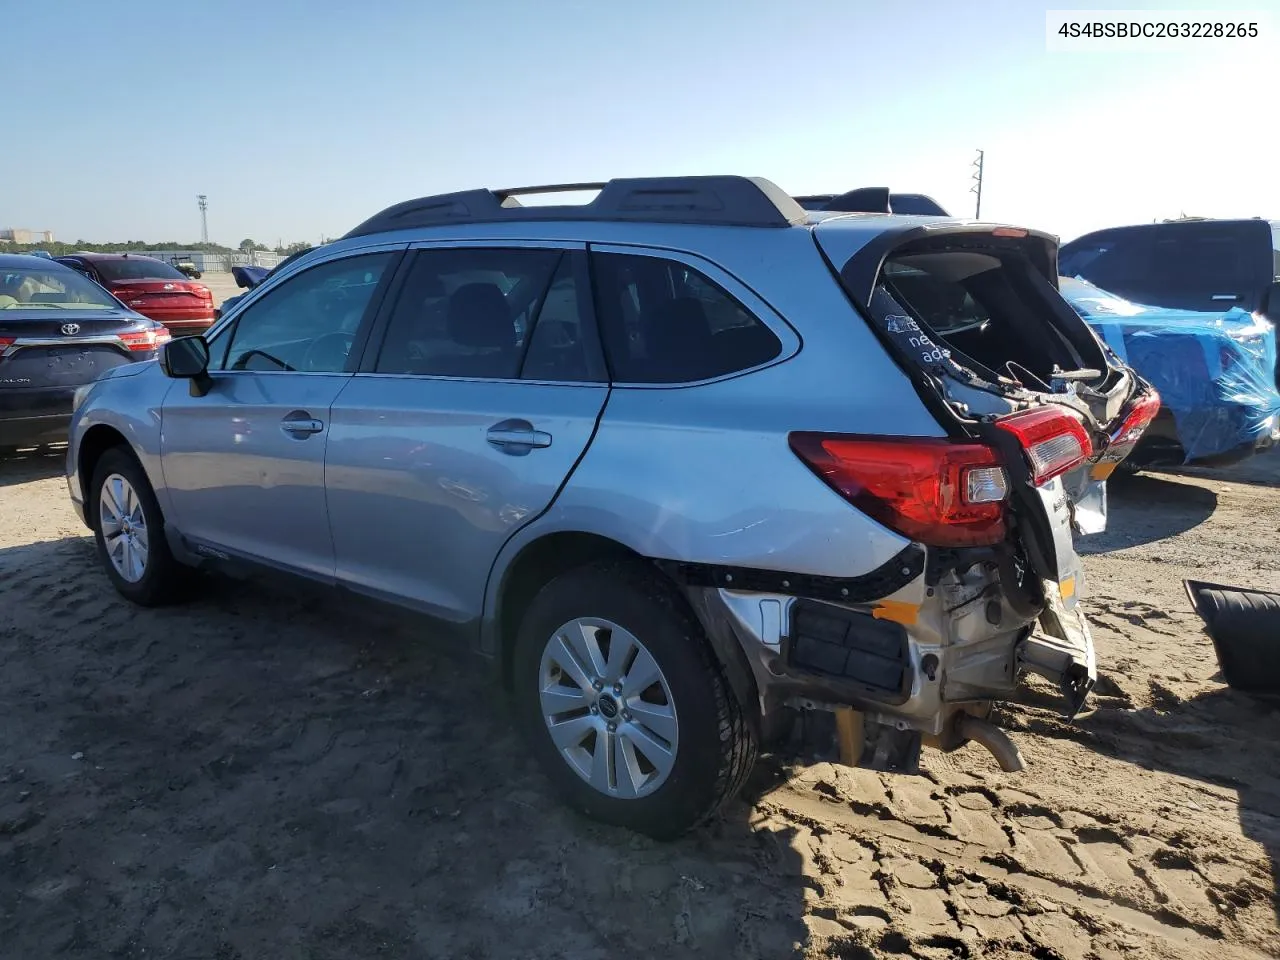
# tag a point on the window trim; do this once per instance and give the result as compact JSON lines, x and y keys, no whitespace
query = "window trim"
{"x":382,"y":322}
{"x":754,"y":304}
{"x":360,"y":341}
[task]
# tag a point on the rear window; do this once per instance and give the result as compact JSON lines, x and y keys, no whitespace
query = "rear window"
{"x":664,"y":322}
{"x":139,"y":268}
{"x":52,"y":288}
{"x":1191,"y":266}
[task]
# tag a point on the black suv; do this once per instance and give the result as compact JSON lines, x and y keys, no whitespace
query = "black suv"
{"x":1205,"y":265}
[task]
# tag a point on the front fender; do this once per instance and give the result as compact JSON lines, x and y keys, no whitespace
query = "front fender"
{"x":131,"y":405}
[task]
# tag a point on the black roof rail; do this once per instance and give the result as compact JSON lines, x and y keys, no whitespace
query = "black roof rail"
{"x":874,"y":200}
{"x":726,"y":201}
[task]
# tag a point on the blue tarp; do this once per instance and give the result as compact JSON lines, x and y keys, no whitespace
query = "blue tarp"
{"x":1215,"y":371}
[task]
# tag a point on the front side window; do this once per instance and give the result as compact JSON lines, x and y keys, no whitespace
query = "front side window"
{"x":495,"y":314}
{"x":309,"y":322}
{"x":664,"y":322}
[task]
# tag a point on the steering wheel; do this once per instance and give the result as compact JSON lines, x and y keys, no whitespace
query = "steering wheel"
{"x":328,"y":353}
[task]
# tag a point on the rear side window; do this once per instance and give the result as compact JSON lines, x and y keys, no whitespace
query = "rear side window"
{"x":664,"y":322}
{"x":495,"y":314}
{"x":140,"y":268}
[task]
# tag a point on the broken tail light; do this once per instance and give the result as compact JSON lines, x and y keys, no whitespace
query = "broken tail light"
{"x":1053,"y":440}
{"x":1126,"y":436}
{"x":936,"y":492}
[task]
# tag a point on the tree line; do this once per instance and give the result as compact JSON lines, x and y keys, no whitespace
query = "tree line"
{"x":59,"y":248}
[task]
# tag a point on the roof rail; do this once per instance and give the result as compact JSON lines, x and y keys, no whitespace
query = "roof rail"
{"x":874,"y":200}
{"x":725,"y":201}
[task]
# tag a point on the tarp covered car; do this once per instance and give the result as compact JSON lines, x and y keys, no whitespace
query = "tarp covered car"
{"x":1215,"y":372}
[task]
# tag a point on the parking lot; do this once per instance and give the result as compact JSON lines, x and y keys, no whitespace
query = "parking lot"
{"x":269,"y":773}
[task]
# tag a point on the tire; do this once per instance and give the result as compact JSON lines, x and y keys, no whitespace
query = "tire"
{"x":162,"y":580}
{"x":713,"y":744}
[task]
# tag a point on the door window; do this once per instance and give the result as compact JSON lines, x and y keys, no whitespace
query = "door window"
{"x":308,"y":323}
{"x":492,"y":314}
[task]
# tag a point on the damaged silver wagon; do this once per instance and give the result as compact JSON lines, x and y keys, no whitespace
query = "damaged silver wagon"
{"x":680,"y":460}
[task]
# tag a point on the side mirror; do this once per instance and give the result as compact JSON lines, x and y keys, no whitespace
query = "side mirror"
{"x":187,"y":358}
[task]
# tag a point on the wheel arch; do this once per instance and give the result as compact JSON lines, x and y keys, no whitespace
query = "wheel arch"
{"x":96,"y":441}
{"x":546,"y":557}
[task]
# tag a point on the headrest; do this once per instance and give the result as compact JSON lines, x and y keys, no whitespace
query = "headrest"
{"x":479,"y":317}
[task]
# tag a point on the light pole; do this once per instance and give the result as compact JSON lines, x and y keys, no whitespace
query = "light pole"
{"x":977,"y":186}
{"x":203,"y":201}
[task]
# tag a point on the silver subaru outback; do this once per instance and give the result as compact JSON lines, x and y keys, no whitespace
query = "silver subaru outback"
{"x":681,"y":460}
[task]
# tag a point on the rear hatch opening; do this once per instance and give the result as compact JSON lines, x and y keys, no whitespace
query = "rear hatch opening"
{"x":973,"y":313}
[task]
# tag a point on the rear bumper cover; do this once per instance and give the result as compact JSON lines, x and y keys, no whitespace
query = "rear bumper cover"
{"x":35,"y":414}
{"x":913,"y":661}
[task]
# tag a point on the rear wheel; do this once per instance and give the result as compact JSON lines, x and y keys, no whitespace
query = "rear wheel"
{"x":625,"y":704}
{"x":129,"y":529}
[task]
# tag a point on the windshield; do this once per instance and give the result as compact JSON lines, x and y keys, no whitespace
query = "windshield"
{"x":137,"y":268}
{"x":51,"y":287}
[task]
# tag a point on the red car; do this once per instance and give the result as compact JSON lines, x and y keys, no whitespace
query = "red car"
{"x":151,"y":287}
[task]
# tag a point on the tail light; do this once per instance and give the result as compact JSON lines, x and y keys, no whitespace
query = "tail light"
{"x":204,"y":293}
{"x":1126,"y":436}
{"x":936,"y":492}
{"x":126,"y":293}
{"x":145,"y":341}
{"x":6,"y":342}
{"x":1053,"y":439}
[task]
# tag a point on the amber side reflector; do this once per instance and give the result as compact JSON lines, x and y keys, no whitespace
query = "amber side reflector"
{"x":896,"y":611}
{"x":1101,"y":471}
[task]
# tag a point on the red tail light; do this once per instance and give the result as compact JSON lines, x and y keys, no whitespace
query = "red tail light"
{"x":204,"y":293}
{"x":146,"y":340}
{"x":6,"y":343}
{"x":1053,"y":439}
{"x":1137,"y":420}
{"x":936,"y":492}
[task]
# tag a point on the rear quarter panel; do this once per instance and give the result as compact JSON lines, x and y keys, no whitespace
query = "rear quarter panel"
{"x":704,"y":473}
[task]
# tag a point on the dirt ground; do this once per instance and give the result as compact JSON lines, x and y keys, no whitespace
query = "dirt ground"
{"x":266,"y":773}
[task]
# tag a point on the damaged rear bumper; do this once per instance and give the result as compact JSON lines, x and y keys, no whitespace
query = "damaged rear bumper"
{"x":921,"y":664}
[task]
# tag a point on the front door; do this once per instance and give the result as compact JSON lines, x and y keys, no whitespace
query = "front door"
{"x":464,"y":423}
{"x":244,"y":463}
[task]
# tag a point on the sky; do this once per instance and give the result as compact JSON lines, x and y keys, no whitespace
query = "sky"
{"x":300,"y":118}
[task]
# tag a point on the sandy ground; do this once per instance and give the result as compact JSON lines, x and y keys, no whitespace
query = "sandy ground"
{"x":267,"y":773}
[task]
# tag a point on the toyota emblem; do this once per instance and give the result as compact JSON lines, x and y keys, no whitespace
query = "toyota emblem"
{"x":71,"y":329}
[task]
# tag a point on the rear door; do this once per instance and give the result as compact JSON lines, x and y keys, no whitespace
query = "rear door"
{"x":470,"y":410}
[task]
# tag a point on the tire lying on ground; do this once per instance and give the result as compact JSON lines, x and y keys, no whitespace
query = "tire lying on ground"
{"x":624,"y":703}
{"x":1244,"y":626}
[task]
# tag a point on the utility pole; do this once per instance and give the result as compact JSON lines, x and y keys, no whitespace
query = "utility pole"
{"x":203,"y":202}
{"x":977,"y":186}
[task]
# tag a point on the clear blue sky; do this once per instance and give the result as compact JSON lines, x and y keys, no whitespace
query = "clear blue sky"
{"x":302,"y":117}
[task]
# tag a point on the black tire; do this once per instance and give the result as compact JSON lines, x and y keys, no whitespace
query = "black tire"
{"x":164,"y":579}
{"x":717,"y":745}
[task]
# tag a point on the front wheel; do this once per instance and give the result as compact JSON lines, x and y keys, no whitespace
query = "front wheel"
{"x":624,"y":703}
{"x":129,"y":529}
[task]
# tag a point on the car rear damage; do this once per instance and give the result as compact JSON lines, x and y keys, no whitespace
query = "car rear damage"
{"x":989,"y":590}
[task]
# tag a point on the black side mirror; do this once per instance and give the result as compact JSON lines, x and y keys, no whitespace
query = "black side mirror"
{"x":187,"y":358}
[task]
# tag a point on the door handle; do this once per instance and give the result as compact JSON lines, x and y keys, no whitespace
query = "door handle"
{"x":517,"y":437}
{"x":301,"y":426}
